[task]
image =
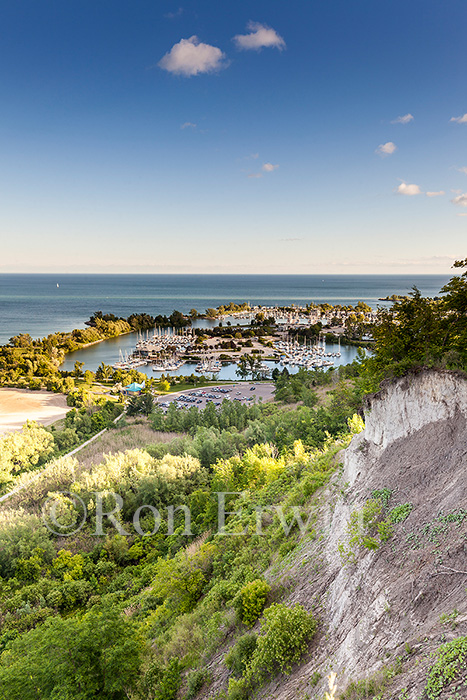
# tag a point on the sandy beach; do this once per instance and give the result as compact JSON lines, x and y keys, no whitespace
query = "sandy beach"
{"x":19,"y":405}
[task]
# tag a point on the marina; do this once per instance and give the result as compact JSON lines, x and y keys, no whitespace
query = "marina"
{"x":307,"y":356}
{"x":108,"y":352}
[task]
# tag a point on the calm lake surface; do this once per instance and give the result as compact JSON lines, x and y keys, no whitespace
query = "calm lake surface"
{"x":41,"y":304}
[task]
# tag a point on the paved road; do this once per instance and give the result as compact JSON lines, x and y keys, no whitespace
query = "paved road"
{"x":245,"y":392}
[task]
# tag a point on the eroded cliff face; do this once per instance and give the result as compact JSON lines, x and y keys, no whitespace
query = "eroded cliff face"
{"x":385,"y":609}
{"x":408,"y":404}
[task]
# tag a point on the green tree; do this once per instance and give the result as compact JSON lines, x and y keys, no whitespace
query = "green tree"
{"x":140,"y":404}
{"x":97,"y":655}
{"x":78,"y":369}
{"x":248,"y":365}
{"x":104,"y":372}
{"x":24,"y":450}
{"x":88,"y":377}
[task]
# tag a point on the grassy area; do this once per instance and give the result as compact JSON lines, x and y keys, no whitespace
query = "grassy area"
{"x":136,"y":433}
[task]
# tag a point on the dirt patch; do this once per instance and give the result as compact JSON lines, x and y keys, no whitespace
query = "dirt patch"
{"x":19,"y":405}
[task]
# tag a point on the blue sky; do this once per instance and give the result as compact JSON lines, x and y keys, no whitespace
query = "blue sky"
{"x":174,"y":136}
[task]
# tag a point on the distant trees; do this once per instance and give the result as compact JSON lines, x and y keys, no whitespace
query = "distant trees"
{"x":23,"y":340}
{"x":78,"y":369}
{"x":248,"y":365}
{"x":143,"y":404}
{"x":104,"y":372}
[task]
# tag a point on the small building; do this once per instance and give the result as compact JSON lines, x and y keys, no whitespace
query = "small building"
{"x":133,"y":389}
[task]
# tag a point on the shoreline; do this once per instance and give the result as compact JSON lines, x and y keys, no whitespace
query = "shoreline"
{"x":96,"y":342}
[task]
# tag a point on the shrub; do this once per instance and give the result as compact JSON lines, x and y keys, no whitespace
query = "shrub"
{"x":195,"y":681}
{"x":20,"y":539}
{"x":241,"y":654}
{"x":250,"y":601}
{"x":450,"y":665}
{"x":171,"y":681}
{"x":383,"y":495}
{"x":400,"y":513}
{"x":239,"y":689}
{"x":373,"y":686}
{"x":366,"y":528}
{"x":286,"y":637}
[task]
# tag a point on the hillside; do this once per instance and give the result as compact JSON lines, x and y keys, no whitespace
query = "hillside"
{"x":386,"y":612}
{"x":370,"y":587}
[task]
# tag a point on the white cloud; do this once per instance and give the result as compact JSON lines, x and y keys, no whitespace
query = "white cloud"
{"x":409,"y":190}
{"x":260,"y":36}
{"x":460,"y":200}
{"x":435,"y":194}
{"x":255,"y":175}
{"x":174,"y":15}
{"x":291,"y":240}
{"x":459,"y":120}
{"x":462,"y":214}
{"x":188,"y":125}
{"x":462,"y":170}
{"x":269,"y":167}
{"x":191,"y":57}
{"x":405,"y":119}
{"x":386,"y":149}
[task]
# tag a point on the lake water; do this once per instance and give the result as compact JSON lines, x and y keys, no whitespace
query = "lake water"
{"x":42,"y":304}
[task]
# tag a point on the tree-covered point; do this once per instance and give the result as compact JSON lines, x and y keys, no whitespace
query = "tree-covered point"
{"x":142,"y":321}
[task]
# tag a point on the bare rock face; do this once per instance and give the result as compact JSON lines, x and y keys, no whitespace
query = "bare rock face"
{"x":408,"y":404}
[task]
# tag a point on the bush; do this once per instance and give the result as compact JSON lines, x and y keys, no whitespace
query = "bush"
{"x":239,"y":689}
{"x":366,"y":528}
{"x":20,"y":540}
{"x":286,"y":637}
{"x":170,"y":682}
{"x":241,"y":654}
{"x":450,"y":666}
{"x":250,"y":601}
{"x":195,"y":681}
{"x":400,"y":513}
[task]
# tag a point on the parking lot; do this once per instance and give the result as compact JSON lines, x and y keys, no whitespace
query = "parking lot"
{"x":244,"y":392}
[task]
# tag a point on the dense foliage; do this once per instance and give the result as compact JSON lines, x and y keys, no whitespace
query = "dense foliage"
{"x":155,"y":601}
{"x":33,"y":446}
{"x":419,"y":331}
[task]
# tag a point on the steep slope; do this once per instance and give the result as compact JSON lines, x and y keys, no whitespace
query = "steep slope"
{"x":383,"y":611}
